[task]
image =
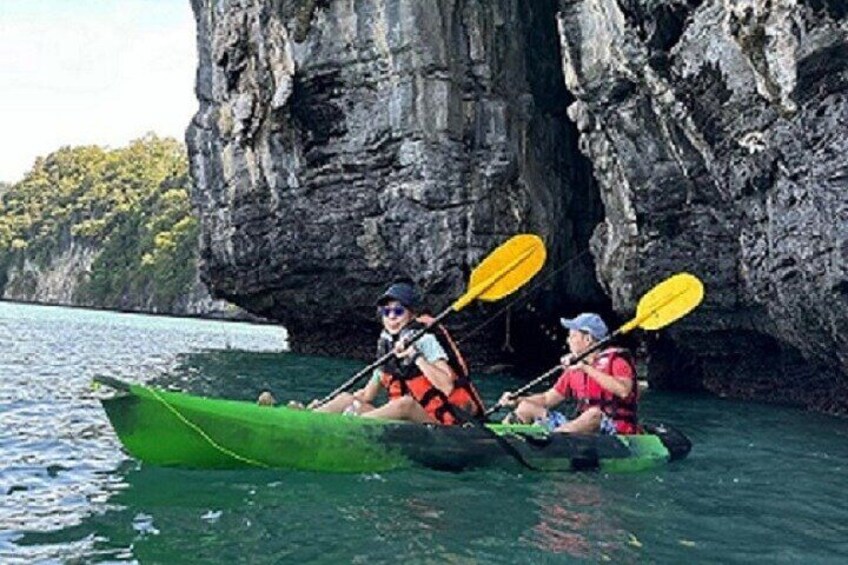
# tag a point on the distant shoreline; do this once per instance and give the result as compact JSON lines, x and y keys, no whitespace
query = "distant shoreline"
{"x":257,"y":322}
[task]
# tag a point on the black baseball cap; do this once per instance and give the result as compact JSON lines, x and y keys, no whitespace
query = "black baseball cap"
{"x":402,"y":292}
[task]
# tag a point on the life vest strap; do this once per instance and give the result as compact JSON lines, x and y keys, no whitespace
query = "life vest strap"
{"x":619,"y":409}
{"x":402,"y":380}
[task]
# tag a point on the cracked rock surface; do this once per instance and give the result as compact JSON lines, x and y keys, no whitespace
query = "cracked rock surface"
{"x":717,"y":131}
{"x":341,"y":144}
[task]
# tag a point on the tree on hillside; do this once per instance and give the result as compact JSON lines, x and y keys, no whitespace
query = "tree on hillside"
{"x":131,"y":204}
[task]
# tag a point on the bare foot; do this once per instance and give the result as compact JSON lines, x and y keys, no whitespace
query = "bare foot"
{"x":266,"y":399}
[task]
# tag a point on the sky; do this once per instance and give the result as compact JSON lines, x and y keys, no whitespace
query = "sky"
{"x":80,"y":72}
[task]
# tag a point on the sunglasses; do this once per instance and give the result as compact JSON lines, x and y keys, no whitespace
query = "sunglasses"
{"x":396,"y":311}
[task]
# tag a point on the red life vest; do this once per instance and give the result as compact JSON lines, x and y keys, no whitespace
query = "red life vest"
{"x":400,"y":380}
{"x":588,"y":393}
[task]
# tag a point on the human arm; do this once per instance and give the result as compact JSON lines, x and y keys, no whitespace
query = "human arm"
{"x":550,"y":397}
{"x":439,"y":373}
{"x":369,"y":392}
{"x":431,"y":360}
{"x":619,"y":381}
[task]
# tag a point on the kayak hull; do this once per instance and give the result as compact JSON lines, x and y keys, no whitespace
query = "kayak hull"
{"x":180,"y":430}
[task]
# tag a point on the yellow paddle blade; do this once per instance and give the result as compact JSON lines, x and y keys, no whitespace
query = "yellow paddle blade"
{"x":668,"y":301}
{"x":505,"y":270}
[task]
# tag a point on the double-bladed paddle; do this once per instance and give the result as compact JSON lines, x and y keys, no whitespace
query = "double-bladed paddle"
{"x":504,"y":271}
{"x":667,"y":302}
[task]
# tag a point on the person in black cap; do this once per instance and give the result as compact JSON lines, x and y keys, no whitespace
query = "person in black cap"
{"x":603,"y":384}
{"x":426,"y":381}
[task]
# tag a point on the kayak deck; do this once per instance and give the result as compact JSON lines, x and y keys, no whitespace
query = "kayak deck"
{"x":176,"y":429}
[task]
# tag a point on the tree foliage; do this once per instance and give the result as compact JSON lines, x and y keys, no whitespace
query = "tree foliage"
{"x":131,"y":203}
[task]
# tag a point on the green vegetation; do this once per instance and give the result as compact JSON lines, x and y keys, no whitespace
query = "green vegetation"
{"x":130,"y":204}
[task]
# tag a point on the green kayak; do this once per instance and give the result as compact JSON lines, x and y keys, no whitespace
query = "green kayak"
{"x":180,"y":430}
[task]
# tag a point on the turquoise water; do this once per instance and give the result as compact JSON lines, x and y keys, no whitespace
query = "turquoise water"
{"x":762,"y":484}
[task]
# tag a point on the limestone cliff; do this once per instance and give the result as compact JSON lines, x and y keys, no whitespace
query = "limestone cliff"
{"x":339,"y":144}
{"x":717,"y":134}
{"x":58,"y":282}
{"x":106,"y":228}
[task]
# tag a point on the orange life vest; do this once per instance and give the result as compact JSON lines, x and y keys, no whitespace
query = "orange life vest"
{"x":621,"y":410}
{"x":400,"y":380}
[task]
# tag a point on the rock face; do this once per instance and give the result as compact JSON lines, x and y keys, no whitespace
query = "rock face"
{"x":339,"y":145}
{"x":717,"y":133}
{"x":58,"y":283}
{"x":53,"y":284}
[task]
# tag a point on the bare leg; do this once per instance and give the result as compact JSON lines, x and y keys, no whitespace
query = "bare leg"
{"x":341,"y":402}
{"x":527,"y":411}
{"x":403,"y":408}
{"x":589,"y":422}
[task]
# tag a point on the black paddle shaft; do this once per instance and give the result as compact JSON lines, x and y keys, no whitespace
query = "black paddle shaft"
{"x":358,"y":376}
{"x":551,"y":372}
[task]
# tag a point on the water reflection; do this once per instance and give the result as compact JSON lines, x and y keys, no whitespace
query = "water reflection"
{"x":57,"y":451}
{"x":162,"y":515}
{"x":577,"y":518}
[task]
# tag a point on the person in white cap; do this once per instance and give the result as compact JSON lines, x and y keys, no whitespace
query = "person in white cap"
{"x":603,"y":385}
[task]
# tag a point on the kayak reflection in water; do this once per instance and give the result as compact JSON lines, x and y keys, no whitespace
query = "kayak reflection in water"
{"x":603,"y":384}
{"x":426,"y":382}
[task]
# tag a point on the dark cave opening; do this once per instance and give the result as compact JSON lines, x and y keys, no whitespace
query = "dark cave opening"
{"x":531,"y":334}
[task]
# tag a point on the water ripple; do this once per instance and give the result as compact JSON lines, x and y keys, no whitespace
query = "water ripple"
{"x":761,"y":484}
{"x":58,"y":455}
